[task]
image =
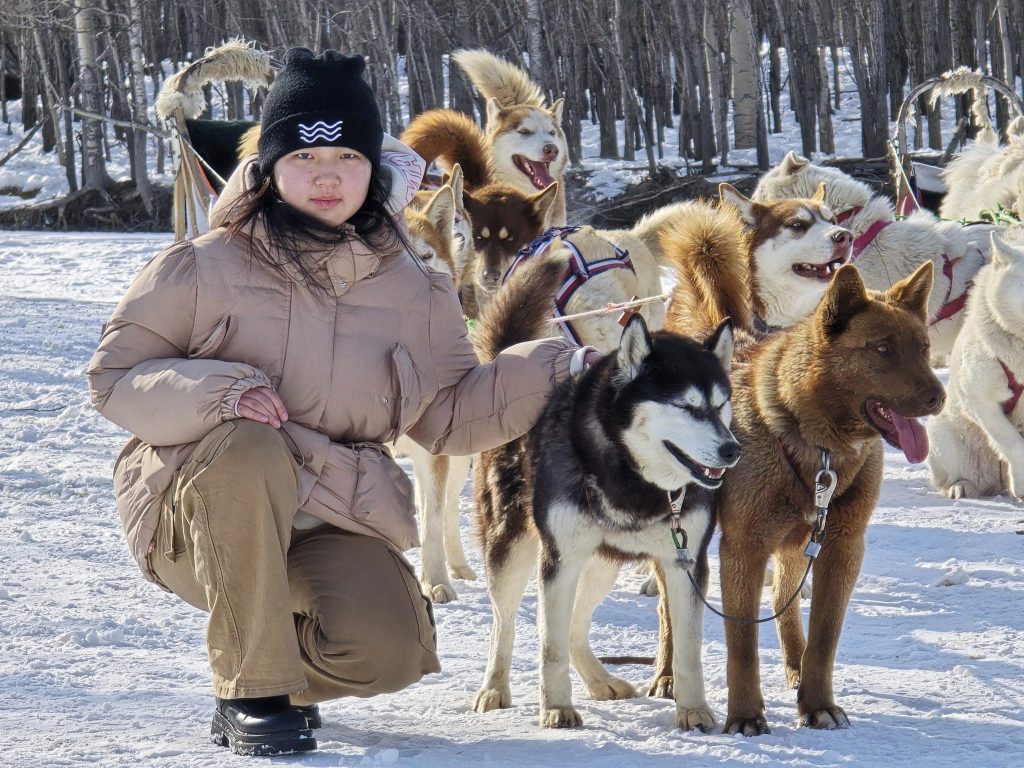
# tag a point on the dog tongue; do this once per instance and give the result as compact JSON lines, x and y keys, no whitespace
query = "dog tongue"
{"x":540,"y":173}
{"x":913,"y":438}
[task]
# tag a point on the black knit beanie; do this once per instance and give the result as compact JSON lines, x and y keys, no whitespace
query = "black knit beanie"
{"x":319,"y":101}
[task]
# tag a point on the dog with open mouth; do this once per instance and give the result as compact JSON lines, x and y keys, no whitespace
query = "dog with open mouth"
{"x":822,"y":395}
{"x":523,"y":132}
{"x":616,"y":469}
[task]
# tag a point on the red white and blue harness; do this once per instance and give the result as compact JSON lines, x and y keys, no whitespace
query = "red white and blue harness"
{"x":576,"y":275}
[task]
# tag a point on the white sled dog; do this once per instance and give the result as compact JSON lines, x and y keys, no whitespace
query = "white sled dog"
{"x":986,"y":175}
{"x":524,"y":134}
{"x":620,"y":460}
{"x":886,"y":254}
{"x":977,"y":441}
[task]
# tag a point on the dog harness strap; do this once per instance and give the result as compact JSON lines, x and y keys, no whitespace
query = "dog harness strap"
{"x":1016,"y":389}
{"x":867,"y":237}
{"x":949,"y":306}
{"x":536,"y":248}
{"x":848,"y":214}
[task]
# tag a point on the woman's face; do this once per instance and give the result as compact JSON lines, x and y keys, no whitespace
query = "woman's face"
{"x":327,"y":183}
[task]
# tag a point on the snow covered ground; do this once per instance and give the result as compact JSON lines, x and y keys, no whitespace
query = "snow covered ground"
{"x":100,"y":668}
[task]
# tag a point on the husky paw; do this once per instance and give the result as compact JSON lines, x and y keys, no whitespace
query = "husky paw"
{"x":661,"y":688}
{"x":441,"y":593}
{"x":560,"y":717}
{"x":611,"y":688}
{"x":827,"y":718}
{"x":462,"y":572}
{"x":755,"y":725}
{"x":492,"y":698}
{"x":962,"y":489}
{"x":649,"y":587}
{"x":700,"y":718}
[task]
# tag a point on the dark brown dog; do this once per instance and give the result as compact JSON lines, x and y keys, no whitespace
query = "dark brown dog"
{"x":854,"y":373}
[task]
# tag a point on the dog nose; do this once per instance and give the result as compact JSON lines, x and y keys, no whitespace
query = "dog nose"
{"x":491,"y":276}
{"x":550,"y":151}
{"x":729,"y":453}
{"x":842,"y":236}
{"x":934,"y":398}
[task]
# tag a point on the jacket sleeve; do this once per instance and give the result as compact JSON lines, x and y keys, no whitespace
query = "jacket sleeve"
{"x":140,"y":377}
{"x":481,"y":406}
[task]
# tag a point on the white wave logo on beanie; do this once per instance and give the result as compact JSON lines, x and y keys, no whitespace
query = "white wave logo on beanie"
{"x":320,"y":131}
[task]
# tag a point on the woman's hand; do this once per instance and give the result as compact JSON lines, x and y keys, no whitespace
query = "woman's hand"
{"x":264,"y":405}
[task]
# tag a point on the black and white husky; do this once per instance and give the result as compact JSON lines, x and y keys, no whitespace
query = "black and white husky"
{"x":616,"y":465}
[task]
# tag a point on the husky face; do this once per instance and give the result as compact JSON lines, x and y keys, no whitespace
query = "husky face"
{"x":504,"y":220}
{"x":795,"y":251}
{"x":431,"y":232}
{"x":528,"y":143}
{"x":673,"y":401}
{"x":1004,"y":286}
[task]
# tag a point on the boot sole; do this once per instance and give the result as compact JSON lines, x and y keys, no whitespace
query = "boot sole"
{"x":259,"y":744}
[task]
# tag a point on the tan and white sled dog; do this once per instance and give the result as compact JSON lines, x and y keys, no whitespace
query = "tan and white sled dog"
{"x":791,"y":248}
{"x":978,"y":440}
{"x":885,"y":251}
{"x":852,"y":374}
{"x":462,"y":225}
{"x":523,"y":133}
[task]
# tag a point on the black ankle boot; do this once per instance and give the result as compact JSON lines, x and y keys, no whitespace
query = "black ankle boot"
{"x":261,"y":727}
{"x":312,"y":714}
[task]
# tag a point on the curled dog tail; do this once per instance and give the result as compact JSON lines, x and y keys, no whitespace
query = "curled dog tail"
{"x":521,"y":308}
{"x":451,"y":137}
{"x":708,"y":251}
{"x":499,"y":79}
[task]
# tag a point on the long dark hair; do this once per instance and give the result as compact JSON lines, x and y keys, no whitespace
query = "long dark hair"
{"x":291,"y":232}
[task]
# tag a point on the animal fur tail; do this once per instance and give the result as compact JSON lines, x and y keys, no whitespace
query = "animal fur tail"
{"x":522,"y":309}
{"x":451,"y":137}
{"x":498,"y":79}
{"x":235,"y":60}
{"x":708,"y":250}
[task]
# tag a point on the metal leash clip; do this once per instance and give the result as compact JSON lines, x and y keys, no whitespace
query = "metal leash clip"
{"x":679,"y":538}
{"x":824,"y":486}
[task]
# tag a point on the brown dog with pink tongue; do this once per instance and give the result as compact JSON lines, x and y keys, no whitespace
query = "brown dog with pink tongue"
{"x":852,"y":374}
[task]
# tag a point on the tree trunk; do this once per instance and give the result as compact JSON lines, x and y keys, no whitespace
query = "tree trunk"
{"x":87,"y":29}
{"x":139,"y":104}
{"x":746,"y":96}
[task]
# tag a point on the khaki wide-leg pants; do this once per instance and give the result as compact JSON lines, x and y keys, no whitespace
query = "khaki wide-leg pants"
{"x":318,"y":614}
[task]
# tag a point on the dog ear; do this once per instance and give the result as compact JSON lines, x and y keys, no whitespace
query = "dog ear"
{"x":819,"y":194}
{"x":454,"y":179}
{"x":556,"y":110}
{"x":1004,"y":254}
{"x":634,"y":347}
{"x":793,"y":163}
{"x":729,"y":195}
{"x":541,"y":202}
{"x":720,"y":343}
{"x":493,"y":111}
{"x":912,"y":292}
{"x":440,"y":211}
{"x":844,"y":298}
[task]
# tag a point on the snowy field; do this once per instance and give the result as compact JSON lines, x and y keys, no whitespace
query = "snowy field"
{"x":101,"y":668}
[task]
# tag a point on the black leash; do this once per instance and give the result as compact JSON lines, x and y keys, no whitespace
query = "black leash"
{"x":824,"y":486}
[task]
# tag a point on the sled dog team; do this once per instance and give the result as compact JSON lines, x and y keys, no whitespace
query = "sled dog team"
{"x":798,"y":337}
{"x":816,"y":316}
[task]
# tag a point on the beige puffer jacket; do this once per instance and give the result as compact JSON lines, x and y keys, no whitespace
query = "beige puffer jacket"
{"x":387,"y":355}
